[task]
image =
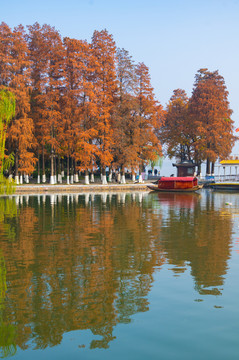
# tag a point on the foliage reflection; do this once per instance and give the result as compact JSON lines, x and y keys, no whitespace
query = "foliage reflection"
{"x":87,"y":261}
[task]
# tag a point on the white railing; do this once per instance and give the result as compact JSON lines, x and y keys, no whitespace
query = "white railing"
{"x":222,"y":178}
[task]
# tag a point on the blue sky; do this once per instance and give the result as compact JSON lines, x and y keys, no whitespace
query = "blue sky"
{"x":174,"y":38}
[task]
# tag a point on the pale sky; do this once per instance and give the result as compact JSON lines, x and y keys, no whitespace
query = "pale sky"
{"x":174,"y":38}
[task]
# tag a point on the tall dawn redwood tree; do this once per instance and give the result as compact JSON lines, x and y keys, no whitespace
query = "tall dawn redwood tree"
{"x":47,"y":56}
{"x":123,"y":115}
{"x":147,"y":119}
{"x":209,"y":108}
{"x":38,"y":53}
{"x":79,"y":105}
{"x":177,"y":132}
{"x":16,"y":76}
{"x":52,"y":95}
{"x":70,"y":99}
{"x":105,"y":86}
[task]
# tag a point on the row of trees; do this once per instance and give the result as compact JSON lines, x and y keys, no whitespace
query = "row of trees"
{"x":87,"y":106}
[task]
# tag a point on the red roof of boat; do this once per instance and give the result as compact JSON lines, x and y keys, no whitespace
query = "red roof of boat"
{"x":176,"y":178}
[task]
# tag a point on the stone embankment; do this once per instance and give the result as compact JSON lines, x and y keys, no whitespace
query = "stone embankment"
{"x":77,"y":188}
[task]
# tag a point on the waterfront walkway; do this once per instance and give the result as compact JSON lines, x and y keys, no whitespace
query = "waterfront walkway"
{"x":79,"y":188}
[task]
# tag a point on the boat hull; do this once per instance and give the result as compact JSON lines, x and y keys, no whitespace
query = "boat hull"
{"x":225,"y":186}
{"x":192,"y":189}
{"x":176,"y":184}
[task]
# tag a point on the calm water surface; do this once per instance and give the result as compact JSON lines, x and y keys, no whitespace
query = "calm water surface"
{"x":120,"y":276}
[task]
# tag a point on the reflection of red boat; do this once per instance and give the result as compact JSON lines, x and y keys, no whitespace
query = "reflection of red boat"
{"x":181,"y":200}
{"x":176,"y":184}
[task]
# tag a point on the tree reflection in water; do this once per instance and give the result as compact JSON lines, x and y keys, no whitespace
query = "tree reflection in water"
{"x":197,"y":235}
{"x":7,"y":331}
{"x":87,"y":262}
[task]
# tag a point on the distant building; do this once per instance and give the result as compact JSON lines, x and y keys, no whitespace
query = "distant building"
{"x":230,"y":163}
{"x":185,"y":168}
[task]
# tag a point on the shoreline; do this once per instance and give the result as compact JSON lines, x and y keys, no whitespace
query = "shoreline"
{"x":77,"y":188}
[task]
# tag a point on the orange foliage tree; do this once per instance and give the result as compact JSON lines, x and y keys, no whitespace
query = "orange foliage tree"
{"x":123,"y":124}
{"x":210,"y":110}
{"x":51,"y":97}
{"x":177,"y":132}
{"x":38,"y":52}
{"x":147,"y":119}
{"x":79,"y":107}
{"x":47,"y":55}
{"x":15,"y":74}
{"x":105,"y":86}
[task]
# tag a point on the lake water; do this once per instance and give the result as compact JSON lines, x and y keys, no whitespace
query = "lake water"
{"x":120,"y":276}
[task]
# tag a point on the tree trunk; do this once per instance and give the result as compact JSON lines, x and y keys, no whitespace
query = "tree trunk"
{"x":110,"y":175}
{"x":62,"y":168}
{"x":72,"y":171}
{"x":59,"y":177}
{"x":118,"y":177}
{"x":140,"y":178}
{"x":140,"y":173}
{"x":87,"y":182}
{"x":92,"y":177}
{"x":68,"y":170}
{"x":52,"y":178}
{"x":212,"y":168}
{"x":16,"y":169}
{"x":76,"y":172}
{"x":43,"y":166}
{"x":104,"y":180}
{"x":55,"y":170}
{"x":199,"y":170}
{"x":38,"y":167}
{"x":208,"y":167}
{"x":122,"y":181}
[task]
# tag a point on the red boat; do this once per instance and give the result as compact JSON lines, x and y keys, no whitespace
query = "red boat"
{"x":176,"y":184}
